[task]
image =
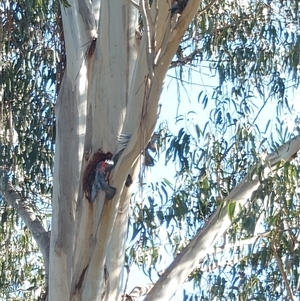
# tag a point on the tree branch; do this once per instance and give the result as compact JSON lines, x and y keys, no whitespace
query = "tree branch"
{"x":185,"y":59}
{"x":40,"y":235}
{"x":282,"y":272}
{"x":218,"y":223}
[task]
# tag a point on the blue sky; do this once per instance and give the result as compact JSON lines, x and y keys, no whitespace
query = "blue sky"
{"x":188,"y":95}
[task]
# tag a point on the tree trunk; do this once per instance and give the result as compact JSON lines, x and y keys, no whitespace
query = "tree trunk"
{"x":111,"y":87}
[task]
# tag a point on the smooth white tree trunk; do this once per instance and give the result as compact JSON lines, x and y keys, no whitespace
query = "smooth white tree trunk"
{"x":111,"y":85}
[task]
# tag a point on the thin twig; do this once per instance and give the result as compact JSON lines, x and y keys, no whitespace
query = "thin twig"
{"x":282,"y":272}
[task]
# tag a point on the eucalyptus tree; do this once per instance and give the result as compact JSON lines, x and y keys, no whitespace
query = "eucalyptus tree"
{"x":107,"y":61}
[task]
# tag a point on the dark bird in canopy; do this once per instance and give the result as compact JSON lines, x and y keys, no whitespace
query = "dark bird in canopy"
{"x":178,"y":7}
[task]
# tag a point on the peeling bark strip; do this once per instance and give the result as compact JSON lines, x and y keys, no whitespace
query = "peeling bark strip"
{"x":106,"y":282}
{"x":89,"y":174}
{"x":79,"y":283}
{"x":91,"y":48}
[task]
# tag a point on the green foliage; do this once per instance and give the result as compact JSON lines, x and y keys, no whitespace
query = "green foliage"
{"x":30,"y":33}
{"x":28,"y":91}
{"x":21,"y":264}
{"x":252,"y":49}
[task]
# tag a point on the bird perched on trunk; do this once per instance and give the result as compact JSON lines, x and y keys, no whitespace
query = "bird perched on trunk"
{"x":178,"y":7}
{"x":100,"y":182}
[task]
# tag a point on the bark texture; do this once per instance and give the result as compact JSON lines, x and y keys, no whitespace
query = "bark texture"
{"x":111,"y":86}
